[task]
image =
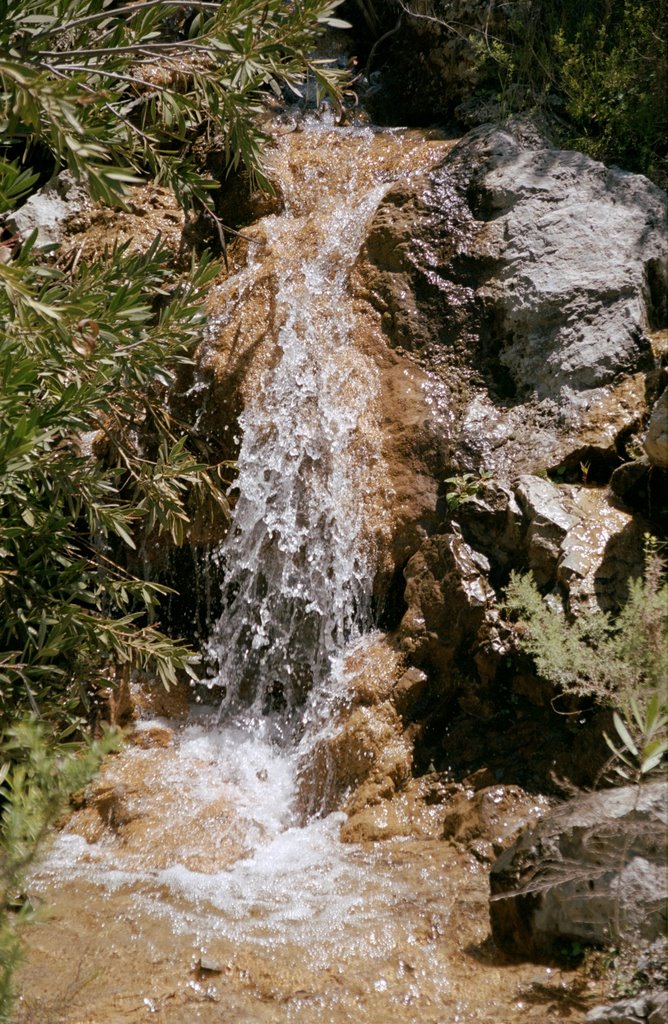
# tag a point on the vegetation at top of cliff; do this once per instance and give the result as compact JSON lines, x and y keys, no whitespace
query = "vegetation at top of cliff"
{"x":619,"y":661}
{"x":599,"y":66}
{"x":116,"y":91}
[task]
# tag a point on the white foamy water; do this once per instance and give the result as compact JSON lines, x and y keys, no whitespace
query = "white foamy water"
{"x":280,"y":883}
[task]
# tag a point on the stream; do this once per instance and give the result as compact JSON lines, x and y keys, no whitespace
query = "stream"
{"x":203,"y":879}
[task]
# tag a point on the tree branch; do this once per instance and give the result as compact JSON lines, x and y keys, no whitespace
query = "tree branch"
{"x":131,"y":9}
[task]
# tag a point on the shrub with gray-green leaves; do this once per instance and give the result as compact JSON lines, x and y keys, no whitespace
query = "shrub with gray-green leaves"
{"x":619,"y":661}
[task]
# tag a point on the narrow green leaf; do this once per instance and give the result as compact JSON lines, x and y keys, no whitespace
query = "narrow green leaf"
{"x":624,"y":734}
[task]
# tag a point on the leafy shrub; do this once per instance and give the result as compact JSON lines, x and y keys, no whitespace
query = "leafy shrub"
{"x":602,"y":65}
{"x":88,"y":453}
{"x":113,"y":92}
{"x":36,"y":782}
{"x":620,"y":662}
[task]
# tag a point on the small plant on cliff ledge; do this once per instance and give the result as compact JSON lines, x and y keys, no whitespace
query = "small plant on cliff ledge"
{"x":618,"y":661}
{"x":463,"y":488}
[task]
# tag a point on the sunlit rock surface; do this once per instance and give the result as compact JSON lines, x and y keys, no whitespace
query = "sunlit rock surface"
{"x":531,"y":277}
{"x":592,"y":870}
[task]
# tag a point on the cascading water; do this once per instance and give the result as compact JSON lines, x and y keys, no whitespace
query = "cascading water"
{"x":187,"y":888}
{"x":298,"y":563}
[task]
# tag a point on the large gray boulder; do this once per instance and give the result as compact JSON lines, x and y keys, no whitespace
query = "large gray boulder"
{"x":529,"y":279}
{"x":581,"y":253}
{"x":591,"y":871}
{"x":649,"y":1008}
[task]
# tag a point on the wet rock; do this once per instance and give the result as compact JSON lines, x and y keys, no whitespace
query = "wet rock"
{"x":486,"y":820}
{"x":108,"y":807}
{"x":593,"y":870}
{"x":656,"y":440}
{"x":493,"y":521}
{"x":412,"y":452}
{"x":208,"y":965}
{"x":375,"y":669}
{"x":630,"y":480}
{"x":377,"y":823}
{"x":406,"y":814}
{"x":409,"y":689}
{"x":127,"y":805}
{"x":152,"y":735}
{"x":447,"y":594}
{"x":544,"y":507}
{"x":152,"y":700}
{"x":364,"y":756}
{"x":365,"y":761}
{"x":651,"y":1008}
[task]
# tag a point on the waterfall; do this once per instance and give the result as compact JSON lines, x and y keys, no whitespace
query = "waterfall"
{"x":298,"y":561}
{"x":204,"y":871}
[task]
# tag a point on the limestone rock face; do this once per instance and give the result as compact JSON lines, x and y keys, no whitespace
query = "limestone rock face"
{"x":528,"y":279}
{"x":649,"y":1008}
{"x":48,"y":210}
{"x":593,"y":870}
{"x":581,"y":253}
{"x":576,"y":537}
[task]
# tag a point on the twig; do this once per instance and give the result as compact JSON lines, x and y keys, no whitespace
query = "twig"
{"x":372,"y":52}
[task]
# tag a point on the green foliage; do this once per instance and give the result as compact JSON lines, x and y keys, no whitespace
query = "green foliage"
{"x":463,"y":488}
{"x":115,"y":92}
{"x":602,"y":65}
{"x":642,"y":752}
{"x":89,"y":455}
{"x":36,"y":782}
{"x":621,"y":661}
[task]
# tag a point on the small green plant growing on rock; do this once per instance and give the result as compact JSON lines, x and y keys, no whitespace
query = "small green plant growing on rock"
{"x":618,"y":661}
{"x":642,"y":734}
{"x":463,"y":488}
